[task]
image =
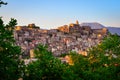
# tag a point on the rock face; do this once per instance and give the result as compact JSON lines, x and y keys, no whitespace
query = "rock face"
{"x":93,"y":25}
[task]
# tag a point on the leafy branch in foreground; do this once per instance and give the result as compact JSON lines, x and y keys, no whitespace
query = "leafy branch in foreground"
{"x":2,"y":3}
{"x":47,"y":67}
{"x":9,"y":52}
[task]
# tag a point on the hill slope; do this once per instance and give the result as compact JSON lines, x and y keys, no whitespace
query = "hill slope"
{"x":93,"y":25}
{"x":114,"y":30}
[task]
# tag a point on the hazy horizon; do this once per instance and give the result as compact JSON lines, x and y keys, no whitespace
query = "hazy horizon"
{"x":52,"y":14}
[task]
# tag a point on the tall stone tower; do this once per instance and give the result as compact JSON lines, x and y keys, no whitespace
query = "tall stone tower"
{"x":77,"y":22}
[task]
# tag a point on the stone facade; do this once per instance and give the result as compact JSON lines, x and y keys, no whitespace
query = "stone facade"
{"x":59,"y":41}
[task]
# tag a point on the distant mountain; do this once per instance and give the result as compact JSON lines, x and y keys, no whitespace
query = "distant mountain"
{"x":93,"y":25}
{"x":114,"y":30}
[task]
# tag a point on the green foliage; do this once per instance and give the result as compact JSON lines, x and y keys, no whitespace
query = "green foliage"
{"x":100,"y":64}
{"x":95,"y":68}
{"x":111,"y":44}
{"x":9,"y":52}
{"x":47,"y":67}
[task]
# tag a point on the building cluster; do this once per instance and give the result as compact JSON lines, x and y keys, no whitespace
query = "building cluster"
{"x":66,"y":38}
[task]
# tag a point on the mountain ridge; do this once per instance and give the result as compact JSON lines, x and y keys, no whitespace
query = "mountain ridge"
{"x":93,"y":25}
{"x":96,"y":25}
{"x":114,"y":30}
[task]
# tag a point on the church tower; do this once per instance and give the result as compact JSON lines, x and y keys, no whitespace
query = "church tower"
{"x":77,"y":22}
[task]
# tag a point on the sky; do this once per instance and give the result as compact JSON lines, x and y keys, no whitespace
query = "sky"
{"x":48,"y":14}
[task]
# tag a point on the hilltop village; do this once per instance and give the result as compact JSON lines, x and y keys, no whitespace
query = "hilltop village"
{"x":64,"y":39}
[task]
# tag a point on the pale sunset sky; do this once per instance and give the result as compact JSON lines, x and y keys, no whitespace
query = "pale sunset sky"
{"x":54,"y":13}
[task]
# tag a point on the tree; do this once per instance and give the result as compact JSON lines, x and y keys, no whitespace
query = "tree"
{"x":2,"y":3}
{"x":81,"y":66}
{"x":9,"y":52}
{"x":105,"y":58}
{"x":100,"y":64}
{"x":47,"y":67}
{"x":111,"y":44}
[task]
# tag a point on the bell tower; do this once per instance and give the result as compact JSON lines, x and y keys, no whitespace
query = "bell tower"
{"x":77,"y":22}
